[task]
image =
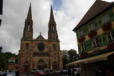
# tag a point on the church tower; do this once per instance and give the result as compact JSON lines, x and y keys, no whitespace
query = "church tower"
{"x":54,"y":43}
{"x":39,"y":53}
{"x":52,"y":31}
{"x":28,"y":29}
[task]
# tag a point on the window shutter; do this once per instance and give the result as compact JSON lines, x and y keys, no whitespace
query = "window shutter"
{"x":105,"y":41}
{"x":88,"y":45}
{"x":77,"y":34}
{"x":85,"y":30}
{"x":111,"y":15}
{"x":100,"y":40}
{"x":99,"y":23}
{"x":79,"y":48}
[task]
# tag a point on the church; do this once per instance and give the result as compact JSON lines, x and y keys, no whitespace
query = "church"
{"x":39,"y":53}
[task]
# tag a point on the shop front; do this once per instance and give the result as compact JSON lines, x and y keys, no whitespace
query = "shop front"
{"x":100,"y":65}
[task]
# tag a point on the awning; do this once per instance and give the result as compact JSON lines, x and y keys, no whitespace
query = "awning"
{"x":92,"y":59}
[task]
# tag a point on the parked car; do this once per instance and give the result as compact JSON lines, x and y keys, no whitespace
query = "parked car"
{"x":64,"y":72}
{"x":40,"y":73}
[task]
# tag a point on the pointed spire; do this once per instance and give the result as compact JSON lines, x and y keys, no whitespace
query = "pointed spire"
{"x":29,"y":16}
{"x":51,"y":14}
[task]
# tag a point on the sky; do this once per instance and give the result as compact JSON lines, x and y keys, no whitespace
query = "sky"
{"x":67,"y":14}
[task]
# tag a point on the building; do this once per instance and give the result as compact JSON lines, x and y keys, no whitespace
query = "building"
{"x":40,"y":53}
{"x":12,"y":66}
{"x":95,"y":34}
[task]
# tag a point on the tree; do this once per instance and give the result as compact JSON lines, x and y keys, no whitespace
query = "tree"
{"x":4,"y":57}
{"x":65,"y":58}
{"x":73,"y":56}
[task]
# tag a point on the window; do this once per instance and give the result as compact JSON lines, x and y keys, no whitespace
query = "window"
{"x":27,"y":46}
{"x":106,"y":19}
{"x":28,"y":23}
{"x":111,"y":36}
{"x":92,"y":27}
{"x":54,"y":47}
{"x":81,"y":33}
{"x":111,"y":15}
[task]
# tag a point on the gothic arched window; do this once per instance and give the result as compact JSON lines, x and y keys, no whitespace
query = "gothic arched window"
{"x":27,"y":45}
{"x":54,"y":47}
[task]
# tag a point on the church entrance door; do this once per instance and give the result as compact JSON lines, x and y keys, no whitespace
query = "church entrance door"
{"x":26,"y":67}
{"x":41,"y":65}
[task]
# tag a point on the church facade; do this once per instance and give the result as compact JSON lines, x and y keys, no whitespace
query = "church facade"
{"x":39,"y":53}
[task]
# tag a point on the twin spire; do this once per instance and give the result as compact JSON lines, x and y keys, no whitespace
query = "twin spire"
{"x":29,"y":16}
{"x":28,"y":30}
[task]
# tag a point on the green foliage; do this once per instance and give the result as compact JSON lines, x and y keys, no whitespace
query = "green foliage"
{"x":104,"y":38}
{"x":85,"y":30}
{"x":100,"y":40}
{"x":72,"y":55}
{"x":69,"y":56}
{"x":4,"y":59}
{"x":65,"y":60}
{"x":88,"y":45}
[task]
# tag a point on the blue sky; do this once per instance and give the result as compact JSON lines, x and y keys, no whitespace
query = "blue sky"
{"x":56,"y":4}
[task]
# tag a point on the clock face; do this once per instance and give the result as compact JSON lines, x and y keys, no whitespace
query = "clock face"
{"x":41,"y":46}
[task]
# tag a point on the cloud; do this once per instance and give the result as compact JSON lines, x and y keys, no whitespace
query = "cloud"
{"x":67,"y":16}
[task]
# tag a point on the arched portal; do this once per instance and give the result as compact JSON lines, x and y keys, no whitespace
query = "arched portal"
{"x":41,"y":65}
{"x":55,"y":65}
{"x":26,"y":67}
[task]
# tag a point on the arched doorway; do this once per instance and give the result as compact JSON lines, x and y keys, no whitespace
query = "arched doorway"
{"x":55,"y":65}
{"x":41,"y":65}
{"x":26,"y":67}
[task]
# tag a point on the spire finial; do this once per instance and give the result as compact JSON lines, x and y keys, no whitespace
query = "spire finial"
{"x":29,"y":16}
